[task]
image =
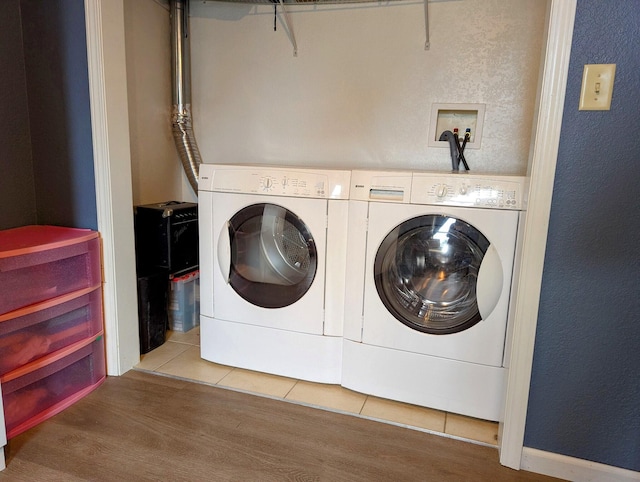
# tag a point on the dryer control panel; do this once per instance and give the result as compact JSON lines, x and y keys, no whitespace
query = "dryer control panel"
{"x":477,"y":190}
{"x":275,"y":181}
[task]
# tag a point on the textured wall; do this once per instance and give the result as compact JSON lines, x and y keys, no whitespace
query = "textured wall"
{"x":60,"y":119}
{"x":17,"y":194}
{"x":585,"y":390}
{"x":360,"y":91}
{"x":156,"y":169}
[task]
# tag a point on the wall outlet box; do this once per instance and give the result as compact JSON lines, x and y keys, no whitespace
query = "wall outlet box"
{"x":447,"y":117}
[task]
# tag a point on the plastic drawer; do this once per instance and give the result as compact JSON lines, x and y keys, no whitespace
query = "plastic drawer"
{"x":38,"y":330}
{"x":38,"y":263}
{"x":184,"y":302}
{"x":55,"y":385}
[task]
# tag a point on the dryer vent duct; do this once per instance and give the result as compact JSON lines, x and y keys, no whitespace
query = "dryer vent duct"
{"x":182,"y":125}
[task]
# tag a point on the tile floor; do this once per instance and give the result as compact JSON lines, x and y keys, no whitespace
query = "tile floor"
{"x":179,"y":356}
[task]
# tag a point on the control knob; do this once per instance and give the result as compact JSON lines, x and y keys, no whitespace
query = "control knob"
{"x":441,"y":190}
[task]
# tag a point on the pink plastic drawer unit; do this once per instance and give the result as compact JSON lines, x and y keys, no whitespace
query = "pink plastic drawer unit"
{"x":53,"y":386}
{"x":38,"y":263}
{"x":38,"y":330}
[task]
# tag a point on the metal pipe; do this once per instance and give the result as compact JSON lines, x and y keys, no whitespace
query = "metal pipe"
{"x":182,"y":127}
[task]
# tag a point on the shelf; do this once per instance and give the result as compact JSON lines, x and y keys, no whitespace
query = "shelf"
{"x":289,"y":25}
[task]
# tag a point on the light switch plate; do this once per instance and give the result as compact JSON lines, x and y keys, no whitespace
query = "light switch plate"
{"x":597,"y":86}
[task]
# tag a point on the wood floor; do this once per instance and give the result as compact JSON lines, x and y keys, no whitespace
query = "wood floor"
{"x":141,"y":427}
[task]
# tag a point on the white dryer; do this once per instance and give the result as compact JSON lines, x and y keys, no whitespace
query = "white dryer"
{"x":272,"y":268}
{"x":431,"y":260}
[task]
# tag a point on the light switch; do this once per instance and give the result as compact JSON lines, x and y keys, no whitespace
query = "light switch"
{"x":597,"y":86}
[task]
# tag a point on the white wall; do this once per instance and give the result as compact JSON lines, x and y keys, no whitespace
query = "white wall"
{"x":360,"y":91}
{"x":155,"y":166}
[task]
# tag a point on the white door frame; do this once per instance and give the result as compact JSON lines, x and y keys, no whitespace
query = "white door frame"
{"x":546,"y":138}
{"x":112,"y":163}
{"x":109,"y":114}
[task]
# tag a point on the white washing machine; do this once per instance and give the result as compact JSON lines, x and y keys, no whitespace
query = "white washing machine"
{"x":431,"y":259}
{"x":272,"y":268}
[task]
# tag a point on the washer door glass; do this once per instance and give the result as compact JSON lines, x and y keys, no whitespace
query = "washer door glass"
{"x":426,"y":273}
{"x":273,"y":256}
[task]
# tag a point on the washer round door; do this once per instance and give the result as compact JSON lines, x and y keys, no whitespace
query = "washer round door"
{"x":426,"y":273}
{"x":273,"y":256}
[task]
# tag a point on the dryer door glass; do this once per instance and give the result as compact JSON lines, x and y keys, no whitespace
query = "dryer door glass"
{"x":426,"y":272}
{"x":273,"y":256}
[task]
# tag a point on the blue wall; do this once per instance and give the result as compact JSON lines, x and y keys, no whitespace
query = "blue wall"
{"x":17,"y":191}
{"x":46,"y":150}
{"x":585,"y":389}
{"x":55,"y":50}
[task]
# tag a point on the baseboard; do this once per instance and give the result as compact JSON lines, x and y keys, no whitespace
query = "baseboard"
{"x":571,"y":468}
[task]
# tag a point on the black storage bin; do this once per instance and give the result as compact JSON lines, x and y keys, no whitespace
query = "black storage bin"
{"x":167,"y":237}
{"x":153,"y":315}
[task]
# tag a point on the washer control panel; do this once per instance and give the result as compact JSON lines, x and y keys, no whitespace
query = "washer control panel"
{"x":275,"y":181}
{"x":477,"y":190}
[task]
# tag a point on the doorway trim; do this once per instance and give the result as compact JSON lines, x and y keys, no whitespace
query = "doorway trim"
{"x":106,"y":58}
{"x":542,"y":168}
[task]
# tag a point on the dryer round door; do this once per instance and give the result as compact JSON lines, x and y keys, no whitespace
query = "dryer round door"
{"x":426,"y":273}
{"x":273,"y":256}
